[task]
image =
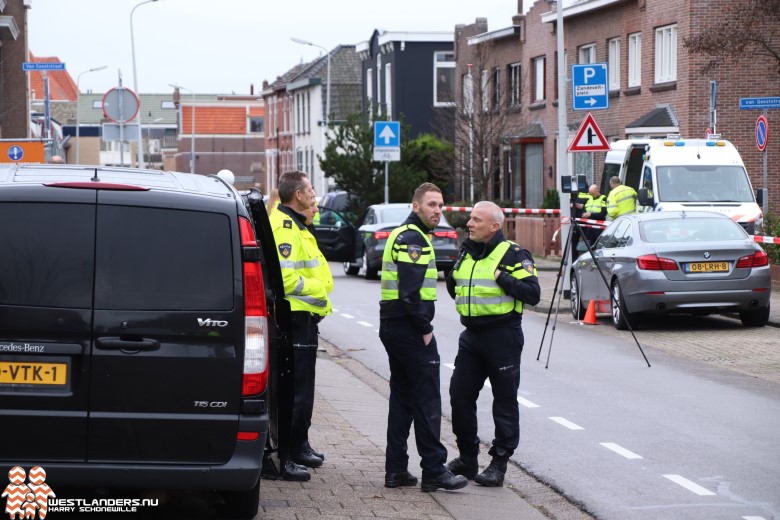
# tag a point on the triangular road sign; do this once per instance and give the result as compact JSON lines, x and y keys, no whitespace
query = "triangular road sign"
{"x":589,"y":137}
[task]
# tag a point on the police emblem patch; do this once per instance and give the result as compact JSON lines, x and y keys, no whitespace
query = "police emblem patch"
{"x":415,"y":252}
{"x":285,"y":250}
{"x":287,"y":224}
{"x":528,"y":266}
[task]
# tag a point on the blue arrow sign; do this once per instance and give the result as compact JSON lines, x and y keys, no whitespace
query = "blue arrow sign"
{"x":28,"y":65}
{"x":589,"y":86}
{"x":759,"y":103}
{"x":387,"y":134}
{"x":15,"y":153}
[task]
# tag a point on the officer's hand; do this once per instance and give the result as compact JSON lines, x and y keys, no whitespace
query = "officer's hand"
{"x":498,"y":273}
{"x":427,"y":338}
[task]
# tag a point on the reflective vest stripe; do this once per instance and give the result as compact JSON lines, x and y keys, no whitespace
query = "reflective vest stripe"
{"x":301,"y":264}
{"x":476,"y":290}
{"x":310,"y":300}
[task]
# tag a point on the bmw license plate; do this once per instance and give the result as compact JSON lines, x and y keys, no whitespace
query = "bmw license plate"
{"x":707,"y":267}
{"x":33,"y":373}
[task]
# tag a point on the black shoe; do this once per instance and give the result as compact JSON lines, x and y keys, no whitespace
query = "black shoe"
{"x":315,"y":453}
{"x":404,"y":478}
{"x":307,"y":458}
{"x":446,"y":481}
{"x":466,"y":466}
{"x":493,"y":476}
{"x":292,"y":471}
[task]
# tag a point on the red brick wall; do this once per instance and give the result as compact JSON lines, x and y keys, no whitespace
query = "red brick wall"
{"x":14,"y":116}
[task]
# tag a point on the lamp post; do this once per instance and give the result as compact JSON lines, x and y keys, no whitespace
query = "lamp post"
{"x":135,"y":82}
{"x":327,"y":99}
{"x":78,"y":103}
{"x":192,"y":145}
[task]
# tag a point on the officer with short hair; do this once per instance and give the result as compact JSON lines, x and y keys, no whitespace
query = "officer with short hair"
{"x":490,"y":282}
{"x":307,"y":283}
{"x":621,"y":199}
{"x":407,"y":308}
{"x":595,"y":209}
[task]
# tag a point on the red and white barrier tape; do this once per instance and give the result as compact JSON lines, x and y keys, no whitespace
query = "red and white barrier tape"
{"x":584,"y":222}
{"x":521,"y":211}
{"x":766,"y":240}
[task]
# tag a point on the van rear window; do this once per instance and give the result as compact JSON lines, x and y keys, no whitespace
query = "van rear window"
{"x":46,"y":254}
{"x":163,"y":259}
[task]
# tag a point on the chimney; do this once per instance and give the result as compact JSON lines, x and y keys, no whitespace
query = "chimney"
{"x":251,"y":89}
{"x":520,"y":7}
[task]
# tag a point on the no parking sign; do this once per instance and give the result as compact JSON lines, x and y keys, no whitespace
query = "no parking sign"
{"x":762,"y":132}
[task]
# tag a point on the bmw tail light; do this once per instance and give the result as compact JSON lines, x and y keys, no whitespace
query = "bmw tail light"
{"x":255,"y":376}
{"x":656,"y":263}
{"x":758,"y":259}
{"x":379,"y":235}
{"x":446,"y":234}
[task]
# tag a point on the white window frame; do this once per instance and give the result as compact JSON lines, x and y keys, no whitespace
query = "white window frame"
{"x":539,"y":64}
{"x":468,"y":93}
{"x":634,"y":60}
{"x":515,"y":84}
{"x":587,"y":53}
{"x":379,"y":99}
{"x":370,"y":92}
{"x":496,"y":89}
{"x":443,"y":64}
{"x":666,"y":54}
{"x":389,"y":90}
{"x":613,"y":63}
{"x":483,"y":90}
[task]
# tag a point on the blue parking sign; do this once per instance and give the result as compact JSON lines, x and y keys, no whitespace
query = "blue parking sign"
{"x":590,"y":90}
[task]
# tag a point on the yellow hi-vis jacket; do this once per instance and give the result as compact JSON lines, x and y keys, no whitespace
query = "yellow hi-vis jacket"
{"x":307,"y":277}
{"x":621,"y":200}
{"x":396,"y":253}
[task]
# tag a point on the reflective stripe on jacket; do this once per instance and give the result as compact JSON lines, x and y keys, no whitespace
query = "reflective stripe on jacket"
{"x":305,"y":272}
{"x":595,"y":205}
{"x":476,"y":290}
{"x":395,"y":253}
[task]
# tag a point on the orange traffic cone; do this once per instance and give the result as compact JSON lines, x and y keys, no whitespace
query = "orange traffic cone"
{"x":590,"y":314}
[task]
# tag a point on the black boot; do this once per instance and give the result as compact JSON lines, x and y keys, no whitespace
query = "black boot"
{"x":464,"y":465}
{"x":446,"y":481}
{"x":404,"y":478}
{"x":493,"y":476}
{"x":293,"y":471}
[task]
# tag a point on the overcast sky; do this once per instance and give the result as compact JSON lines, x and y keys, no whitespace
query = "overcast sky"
{"x":223,"y":46}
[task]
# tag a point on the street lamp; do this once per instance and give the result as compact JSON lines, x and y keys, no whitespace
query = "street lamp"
{"x":78,"y":102}
{"x":135,"y":82}
{"x":327,"y":99}
{"x":192,"y":145}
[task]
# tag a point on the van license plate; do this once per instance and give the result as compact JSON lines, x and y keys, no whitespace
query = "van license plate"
{"x":707,"y":267}
{"x":27,"y":373}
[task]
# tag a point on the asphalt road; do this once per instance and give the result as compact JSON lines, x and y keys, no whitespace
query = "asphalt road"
{"x":684,"y":438}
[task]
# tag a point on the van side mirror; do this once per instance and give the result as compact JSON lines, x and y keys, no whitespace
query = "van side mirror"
{"x":761,"y":195}
{"x":644,"y":198}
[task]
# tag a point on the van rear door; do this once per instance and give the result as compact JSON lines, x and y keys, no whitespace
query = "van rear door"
{"x":168,"y":330}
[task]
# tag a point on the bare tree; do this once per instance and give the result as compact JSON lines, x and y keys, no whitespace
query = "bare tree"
{"x":483,"y":118}
{"x":745,"y":28}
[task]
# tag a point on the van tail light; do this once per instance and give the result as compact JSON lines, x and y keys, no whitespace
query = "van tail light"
{"x":379,"y":235}
{"x":758,"y":259}
{"x":446,"y":234}
{"x":256,"y":349}
{"x":655,"y":263}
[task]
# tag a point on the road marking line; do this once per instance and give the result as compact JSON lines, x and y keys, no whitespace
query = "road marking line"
{"x":449,"y":365}
{"x":620,"y":450}
{"x":365,"y":324}
{"x":563,"y":422}
{"x":348,"y":316}
{"x":690,"y":486}
{"x":527,"y":403}
{"x":753,"y":518}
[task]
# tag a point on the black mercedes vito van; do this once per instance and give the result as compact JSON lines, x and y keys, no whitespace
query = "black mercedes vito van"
{"x":142,"y":331}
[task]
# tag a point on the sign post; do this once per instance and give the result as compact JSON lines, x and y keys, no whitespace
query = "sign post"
{"x":387,"y":147}
{"x":762,"y":127}
{"x":121,"y":105}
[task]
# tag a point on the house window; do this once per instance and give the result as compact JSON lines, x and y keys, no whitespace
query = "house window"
{"x":308,"y":112}
{"x":613,"y":63}
{"x":379,"y":100}
{"x":467,"y":84}
{"x":369,"y":92}
{"x":256,"y":125}
{"x":165,"y":105}
{"x":496,"y":88}
{"x":515,"y":85}
{"x":666,"y":54}
{"x":538,"y":78}
{"x":389,"y":90}
{"x":444,"y":78}
{"x":587,"y":54}
{"x":634,"y":59}
{"x":483,"y":90}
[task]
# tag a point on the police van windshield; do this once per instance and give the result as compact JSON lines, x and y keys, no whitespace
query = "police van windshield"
{"x":703,"y":184}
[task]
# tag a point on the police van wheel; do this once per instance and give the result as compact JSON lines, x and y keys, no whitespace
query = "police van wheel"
{"x":241,"y":504}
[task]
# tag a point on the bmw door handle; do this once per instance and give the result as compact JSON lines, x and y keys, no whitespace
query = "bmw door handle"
{"x":118,"y":343}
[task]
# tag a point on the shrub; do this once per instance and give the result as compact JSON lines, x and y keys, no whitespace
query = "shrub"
{"x":772,"y":228}
{"x":551,"y":200}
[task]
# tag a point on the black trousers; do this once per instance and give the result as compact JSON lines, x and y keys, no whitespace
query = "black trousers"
{"x":304,"y":340}
{"x":492,"y":354}
{"x":415,"y":398}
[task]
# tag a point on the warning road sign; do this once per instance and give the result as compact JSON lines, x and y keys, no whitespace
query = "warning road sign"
{"x":589,"y":137}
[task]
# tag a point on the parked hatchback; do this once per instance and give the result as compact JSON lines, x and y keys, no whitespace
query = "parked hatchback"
{"x":674,"y":262}
{"x":139,"y":312}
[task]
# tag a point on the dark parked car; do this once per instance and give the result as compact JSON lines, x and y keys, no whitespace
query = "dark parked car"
{"x":142,"y":331}
{"x":674,"y":262}
{"x":379,"y":222}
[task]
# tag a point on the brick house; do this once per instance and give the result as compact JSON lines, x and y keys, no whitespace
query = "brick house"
{"x":14,"y":113}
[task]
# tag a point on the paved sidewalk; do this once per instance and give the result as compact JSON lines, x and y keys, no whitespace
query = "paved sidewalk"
{"x":349,"y":424}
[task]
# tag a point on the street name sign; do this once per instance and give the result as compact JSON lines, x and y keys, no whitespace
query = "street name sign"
{"x":387,"y":141}
{"x":29,"y":65}
{"x":589,"y":137}
{"x":759,"y":103}
{"x":589,"y":86}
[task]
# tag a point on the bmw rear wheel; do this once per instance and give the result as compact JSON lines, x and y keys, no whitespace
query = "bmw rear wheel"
{"x":576,"y":300}
{"x":620,"y":317}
